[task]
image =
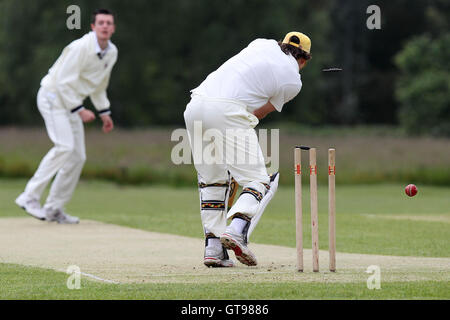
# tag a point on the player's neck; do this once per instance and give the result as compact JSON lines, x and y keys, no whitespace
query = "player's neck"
{"x":103,"y":43}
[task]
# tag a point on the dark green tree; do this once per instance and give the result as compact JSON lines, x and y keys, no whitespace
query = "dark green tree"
{"x":423,"y":90}
{"x":166,"y":48}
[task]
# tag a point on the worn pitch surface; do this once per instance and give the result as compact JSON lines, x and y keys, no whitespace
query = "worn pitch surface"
{"x":125,"y":255}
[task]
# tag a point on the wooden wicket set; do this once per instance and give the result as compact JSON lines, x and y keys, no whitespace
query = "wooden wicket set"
{"x":314,"y":207}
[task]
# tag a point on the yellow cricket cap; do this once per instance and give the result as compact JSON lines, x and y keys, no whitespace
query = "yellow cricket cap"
{"x":305,"y":42}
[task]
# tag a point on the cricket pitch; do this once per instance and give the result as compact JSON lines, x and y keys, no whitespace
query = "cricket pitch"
{"x":116,"y":254}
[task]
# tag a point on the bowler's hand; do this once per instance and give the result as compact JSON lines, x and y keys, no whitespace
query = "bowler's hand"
{"x":108,"y":124}
{"x":86,"y":115}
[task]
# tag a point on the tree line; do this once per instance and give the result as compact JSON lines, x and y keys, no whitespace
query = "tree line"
{"x":394,"y":75}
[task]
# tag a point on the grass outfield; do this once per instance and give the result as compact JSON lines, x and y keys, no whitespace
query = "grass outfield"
{"x":19,"y":282}
{"x":373,"y":219}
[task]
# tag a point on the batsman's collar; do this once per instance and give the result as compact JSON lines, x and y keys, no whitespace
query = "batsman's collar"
{"x":305,"y":42}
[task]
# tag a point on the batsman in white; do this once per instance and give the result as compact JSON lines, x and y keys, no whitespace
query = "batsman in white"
{"x":258,"y":80}
{"x":83,"y":69}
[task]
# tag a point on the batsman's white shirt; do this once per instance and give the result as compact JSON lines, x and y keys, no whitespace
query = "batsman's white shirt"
{"x":82,"y":70}
{"x":223,"y":103}
{"x":259,"y":73}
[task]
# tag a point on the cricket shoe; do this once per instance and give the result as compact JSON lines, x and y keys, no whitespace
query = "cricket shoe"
{"x":236,"y":242}
{"x":216,"y":255}
{"x":31,"y":206}
{"x":60,"y":216}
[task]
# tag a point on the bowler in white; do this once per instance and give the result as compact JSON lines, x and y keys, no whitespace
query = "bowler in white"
{"x":82,"y":70}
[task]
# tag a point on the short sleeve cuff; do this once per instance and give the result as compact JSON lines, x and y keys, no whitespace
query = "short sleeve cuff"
{"x":278,"y":106}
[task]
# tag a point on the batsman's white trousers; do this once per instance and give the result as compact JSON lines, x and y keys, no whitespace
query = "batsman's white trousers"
{"x":65,"y":159}
{"x":221,"y":131}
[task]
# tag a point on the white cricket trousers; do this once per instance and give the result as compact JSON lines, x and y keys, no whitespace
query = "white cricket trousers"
{"x":65,"y":159}
{"x":223,"y":143}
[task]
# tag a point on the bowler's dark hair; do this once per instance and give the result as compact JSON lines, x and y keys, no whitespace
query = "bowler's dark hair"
{"x":100,"y":11}
{"x":297,"y":53}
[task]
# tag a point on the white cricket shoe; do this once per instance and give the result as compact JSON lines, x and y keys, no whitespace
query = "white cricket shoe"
{"x":31,"y":206}
{"x":217,"y":257}
{"x":233,"y":241}
{"x":60,"y":216}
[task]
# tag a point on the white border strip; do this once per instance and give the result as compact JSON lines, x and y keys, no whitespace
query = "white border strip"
{"x":98,"y":278}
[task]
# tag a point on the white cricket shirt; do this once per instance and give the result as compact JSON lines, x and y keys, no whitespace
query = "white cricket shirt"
{"x":82,"y":70}
{"x":259,"y":73}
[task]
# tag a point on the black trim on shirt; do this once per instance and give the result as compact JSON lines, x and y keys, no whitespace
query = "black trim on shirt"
{"x":76,"y":109}
{"x":104,"y":111}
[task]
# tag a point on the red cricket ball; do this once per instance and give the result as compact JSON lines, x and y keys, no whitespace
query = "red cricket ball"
{"x":411,"y":190}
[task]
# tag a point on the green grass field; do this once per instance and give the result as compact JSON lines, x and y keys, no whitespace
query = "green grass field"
{"x":374,"y":216}
{"x":20,"y":282}
{"x":372,"y":219}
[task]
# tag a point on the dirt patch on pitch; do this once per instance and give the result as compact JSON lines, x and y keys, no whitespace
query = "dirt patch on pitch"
{"x":125,"y":255}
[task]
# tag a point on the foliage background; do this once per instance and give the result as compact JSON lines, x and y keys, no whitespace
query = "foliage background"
{"x":166,"y":48}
